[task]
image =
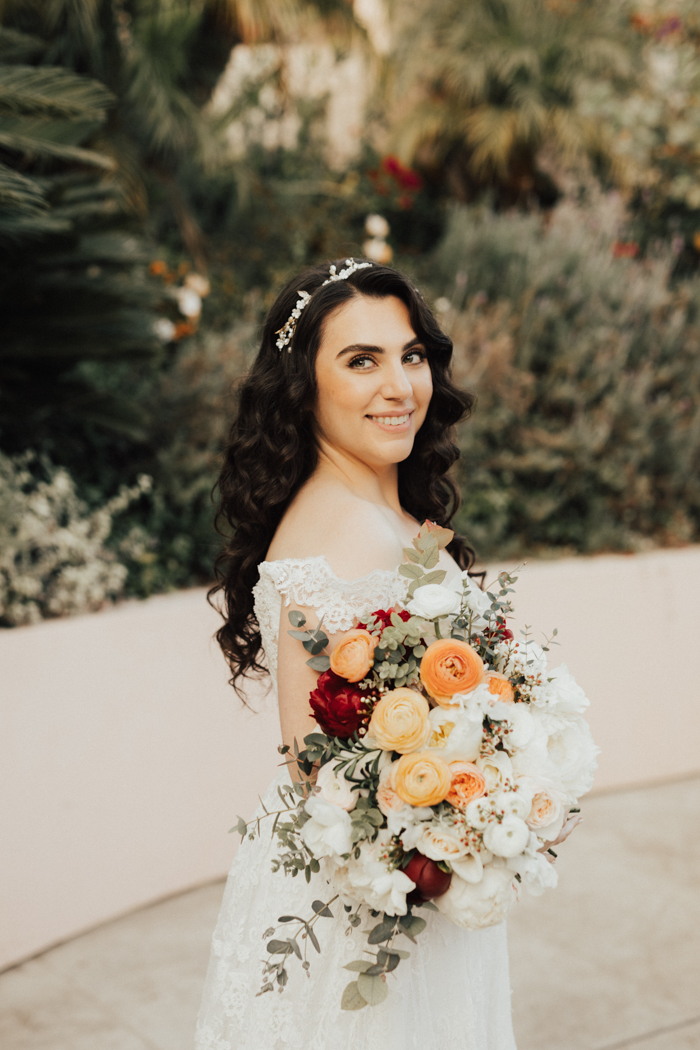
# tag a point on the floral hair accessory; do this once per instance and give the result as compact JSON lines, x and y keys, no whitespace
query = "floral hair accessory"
{"x":286,"y":332}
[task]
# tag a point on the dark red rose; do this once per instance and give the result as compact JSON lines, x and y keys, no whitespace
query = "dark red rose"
{"x":383,"y":616}
{"x":431,"y":881}
{"x":338,"y":706}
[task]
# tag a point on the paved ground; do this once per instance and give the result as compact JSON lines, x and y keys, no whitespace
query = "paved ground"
{"x":608,"y":961}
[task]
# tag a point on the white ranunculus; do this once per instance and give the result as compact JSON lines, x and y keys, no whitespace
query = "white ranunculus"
{"x":475,"y":598}
{"x":561,"y":692}
{"x":441,"y":842}
{"x":532,"y":759}
{"x":478,"y":813}
{"x":497,"y":768}
{"x":477,"y":905}
{"x":456,"y":732}
{"x":329,"y":832}
{"x":508,"y":838}
{"x":333,"y":787}
{"x":514,"y":803}
{"x":432,"y":600}
{"x":368,"y":878}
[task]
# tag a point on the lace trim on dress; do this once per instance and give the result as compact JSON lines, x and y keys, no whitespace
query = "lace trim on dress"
{"x":312,"y":583}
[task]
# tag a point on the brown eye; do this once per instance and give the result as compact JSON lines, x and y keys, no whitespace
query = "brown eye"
{"x":361,"y":362}
{"x":418,"y":355}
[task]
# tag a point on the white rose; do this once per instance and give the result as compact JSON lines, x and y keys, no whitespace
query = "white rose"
{"x":432,"y":601}
{"x":532,"y":759}
{"x":329,"y":832}
{"x":497,"y":768}
{"x":508,"y":838}
{"x":440,"y":842}
{"x":474,"y":597}
{"x":333,"y":787}
{"x":561,"y":692}
{"x":477,"y":905}
{"x":457,"y":732}
{"x":369,"y":880}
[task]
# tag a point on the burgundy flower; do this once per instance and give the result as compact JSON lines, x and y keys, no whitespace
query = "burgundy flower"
{"x":384,"y":617}
{"x":431,"y":881}
{"x":339,"y":708}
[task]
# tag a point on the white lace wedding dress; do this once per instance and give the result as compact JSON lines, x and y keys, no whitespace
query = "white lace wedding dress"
{"x":454,"y":991}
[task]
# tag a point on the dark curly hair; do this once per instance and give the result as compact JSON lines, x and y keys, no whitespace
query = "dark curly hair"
{"x":271,"y":450}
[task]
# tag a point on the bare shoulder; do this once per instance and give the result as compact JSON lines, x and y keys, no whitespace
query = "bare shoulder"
{"x":354,"y":536}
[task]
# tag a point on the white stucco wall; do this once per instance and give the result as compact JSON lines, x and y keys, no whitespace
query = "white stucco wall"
{"x":125,"y":756}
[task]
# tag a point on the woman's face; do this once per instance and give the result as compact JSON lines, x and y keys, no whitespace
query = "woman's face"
{"x":374,"y":381}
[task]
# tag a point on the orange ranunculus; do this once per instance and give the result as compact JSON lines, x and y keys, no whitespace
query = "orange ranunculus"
{"x":422,"y":778}
{"x":354,"y":655}
{"x":467,"y":783}
{"x":501,"y":687}
{"x":450,"y":666}
{"x":400,"y":721}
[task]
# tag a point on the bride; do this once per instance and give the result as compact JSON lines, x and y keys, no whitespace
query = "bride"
{"x":339,"y":452}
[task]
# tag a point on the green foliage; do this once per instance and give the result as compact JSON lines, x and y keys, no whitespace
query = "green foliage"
{"x":586,"y":436}
{"x":494,"y":81}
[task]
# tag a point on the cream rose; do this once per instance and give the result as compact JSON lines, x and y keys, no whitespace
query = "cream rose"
{"x":334,"y":787}
{"x":440,"y":842}
{"x":400,"y":721}
{"x":456,"y":732}
{"x":547,"y":813}
{"x":497,"y":769}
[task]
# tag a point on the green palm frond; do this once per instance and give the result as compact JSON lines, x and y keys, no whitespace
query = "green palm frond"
{"x":16,"y":46}
{"x":52,"y":92}
{"x":19,"y":193}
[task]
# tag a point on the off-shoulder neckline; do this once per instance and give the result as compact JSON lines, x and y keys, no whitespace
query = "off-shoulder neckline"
{"x":323,"y":560}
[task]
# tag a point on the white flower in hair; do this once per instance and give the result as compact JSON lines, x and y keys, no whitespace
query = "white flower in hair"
{"x":286,"y":332}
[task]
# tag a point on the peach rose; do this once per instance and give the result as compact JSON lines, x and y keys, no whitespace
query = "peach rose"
{"x":450,"y":666}
{"x":501,"y":687}
{"x":468,"y":783}
{"x":400,"y":721}
{"x":422,"y":779}
{"x":354,"y":655}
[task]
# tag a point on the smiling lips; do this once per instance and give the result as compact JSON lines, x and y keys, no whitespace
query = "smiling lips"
{"x":391,"y":421}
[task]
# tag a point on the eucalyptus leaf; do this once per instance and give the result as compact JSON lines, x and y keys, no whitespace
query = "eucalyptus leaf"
{"x":352,"y":999}
{"x":381,"y":932}
{"x":302,"y":636}
{"x":277,"y":947}
{"x":296,"y":618}
{"x":319,"y":663}
{"x":431,"y":558}
{"x":437,"y":576}
{"x":372,"y":989}
{"x":413,"y":572}
{"x":322,"y":909}
{"x":315,"y":646}
{"x":358,"y":965}
{"x":314,"y":939}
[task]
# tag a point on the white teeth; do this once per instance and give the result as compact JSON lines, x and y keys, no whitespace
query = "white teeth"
{"x":392,"y":421}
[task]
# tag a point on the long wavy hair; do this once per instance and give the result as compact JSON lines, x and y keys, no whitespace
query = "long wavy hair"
{"x":272,"y":451}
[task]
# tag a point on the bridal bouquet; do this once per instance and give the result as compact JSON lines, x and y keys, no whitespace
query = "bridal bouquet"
{"x":449,"y":759}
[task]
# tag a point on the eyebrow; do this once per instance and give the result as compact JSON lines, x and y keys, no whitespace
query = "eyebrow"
{"x":369,"y":348}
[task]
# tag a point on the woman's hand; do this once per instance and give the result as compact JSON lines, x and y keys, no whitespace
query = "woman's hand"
{"x":569,"y":824}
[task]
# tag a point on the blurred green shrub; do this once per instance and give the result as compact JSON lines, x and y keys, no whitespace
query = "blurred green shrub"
{"x":586,"y":435}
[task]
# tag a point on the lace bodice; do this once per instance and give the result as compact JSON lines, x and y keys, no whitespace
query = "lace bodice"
{"x":312,"y":583}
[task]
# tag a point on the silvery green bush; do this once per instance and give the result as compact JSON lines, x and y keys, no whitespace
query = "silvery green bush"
{"x":53,"y":558}
{"x":586,"y":435}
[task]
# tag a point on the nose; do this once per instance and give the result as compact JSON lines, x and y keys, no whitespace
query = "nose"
{"x":395,"y":383}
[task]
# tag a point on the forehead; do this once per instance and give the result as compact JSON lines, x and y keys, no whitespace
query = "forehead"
{"x":369,"y":321}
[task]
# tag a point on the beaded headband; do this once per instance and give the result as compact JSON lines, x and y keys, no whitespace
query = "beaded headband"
{"x":286,"y":332}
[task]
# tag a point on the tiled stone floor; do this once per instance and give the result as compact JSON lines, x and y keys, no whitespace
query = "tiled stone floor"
{"x":608,"y":961}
